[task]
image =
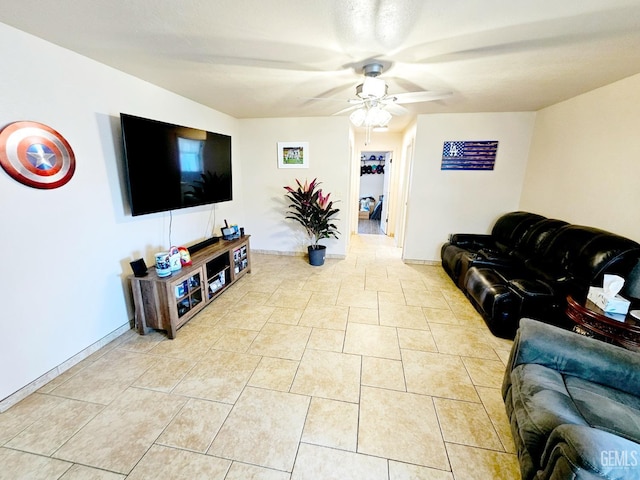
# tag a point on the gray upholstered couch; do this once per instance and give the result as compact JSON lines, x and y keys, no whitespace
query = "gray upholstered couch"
{"x":574,"y":405}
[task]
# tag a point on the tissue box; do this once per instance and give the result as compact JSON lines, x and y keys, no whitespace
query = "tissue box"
{"x":616,"y":304}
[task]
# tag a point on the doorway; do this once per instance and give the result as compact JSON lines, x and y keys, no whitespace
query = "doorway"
{"x":373,"y":195}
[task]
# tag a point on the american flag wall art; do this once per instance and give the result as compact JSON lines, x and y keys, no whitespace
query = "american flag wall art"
{"x":469,"y":155}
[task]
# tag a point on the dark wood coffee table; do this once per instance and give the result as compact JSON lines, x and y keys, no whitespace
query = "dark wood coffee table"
{"x":592,"y":321}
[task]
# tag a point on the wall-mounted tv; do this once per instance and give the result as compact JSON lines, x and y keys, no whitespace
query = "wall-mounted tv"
{"x":170,"y":167}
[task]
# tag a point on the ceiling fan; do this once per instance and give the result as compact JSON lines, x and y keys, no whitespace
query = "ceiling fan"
{"x":373,"y":106}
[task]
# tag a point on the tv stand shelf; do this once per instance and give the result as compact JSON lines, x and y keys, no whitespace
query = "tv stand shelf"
{"x":167,"y":303}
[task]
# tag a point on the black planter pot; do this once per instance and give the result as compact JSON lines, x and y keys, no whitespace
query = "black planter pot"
{"x":316,"y":255}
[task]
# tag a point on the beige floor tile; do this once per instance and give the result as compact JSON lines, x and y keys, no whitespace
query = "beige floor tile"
{"x":106,"y":378}
{"x":274,"y":374}
{"x":315,"y":462}
{"x":22,"y":465}
{"x":275,"y":419}
{"x":383,"y":373}
{"x":413,"y":284}
{"x":416,"y":340}
{"x":322,"y":285}
{"x":118,"y":437}
{"x":187,"y":345}
{"x":391,"y":298}
{"x":372,"y":340}
{"x":405,"y":471}
{"x":288,"y":316}
{"x":332,"y":424}
{"x":403,"y":316}
{"x":252,"y":298}
{"x":80,"y":472}
{"x":247,"y":317}
{"x":289,"y":298}
{"x":54,"y":428}
{"x":353,"y":282}
{"x":142,"y":343}
{"x":243,"y":471}
{"x":376,"y":270}
{"x":325,"y":339}
{"x":400,"y":426}
{"x":459,"y":340}
{"x":466,"y":423}
{"x":425,"y":298}
{"x":504,"y":355}
{"x":440,"y":315}
{"x":322,"y":299}
{"x":25,"y":413}
{"x":349,"y":297}
{"x":165,"y":374}
{"x":325,"y":317}
{"x":220,"y":376}
{"x":235,"y":340}
{"x":437,"y":375}
{"x":195,"y":426}
{"x":165,"y":462}
{"x":494,"y":405}
{"x":381,"y":283}
{"x":281,"y":341}
{"x":485,"y":373}
{"x":470,"y":463}
{"x":329,"y":375}
{"x":363,"y":315}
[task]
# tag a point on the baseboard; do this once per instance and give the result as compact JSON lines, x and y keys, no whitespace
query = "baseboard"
{"x":295,"y":254}
{"x":432,"y":263}
{"x":63,"y":367}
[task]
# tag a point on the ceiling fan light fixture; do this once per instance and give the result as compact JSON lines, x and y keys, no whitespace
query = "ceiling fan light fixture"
{"x":372,"y":88}
{"x":358,"y":117}
{"x":377,"y":117}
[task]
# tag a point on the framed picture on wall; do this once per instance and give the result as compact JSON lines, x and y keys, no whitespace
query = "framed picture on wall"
{"x":293,"y":154}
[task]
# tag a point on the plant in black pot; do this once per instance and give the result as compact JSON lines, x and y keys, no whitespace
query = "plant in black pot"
{"x":314,"y":211}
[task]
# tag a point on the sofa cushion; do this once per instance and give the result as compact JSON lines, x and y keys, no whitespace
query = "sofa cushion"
{"x":510,"y":228}
{"x":490,"y":295}
{"x":537,"y":238}
{"x":541,"y":403}
{"x":606,"y":408}
{"x":584,"y":453}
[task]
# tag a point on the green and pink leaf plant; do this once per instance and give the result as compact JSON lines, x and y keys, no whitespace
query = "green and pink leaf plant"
{"x":313,"y":210}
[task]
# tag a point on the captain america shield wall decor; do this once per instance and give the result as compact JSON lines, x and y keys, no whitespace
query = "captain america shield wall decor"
{"x":36,"y":155}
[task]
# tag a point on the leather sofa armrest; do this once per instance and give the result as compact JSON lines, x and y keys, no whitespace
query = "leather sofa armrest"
{"x":472,"y":241}
{"x":576,"y":355}
{"x":579,"y":451}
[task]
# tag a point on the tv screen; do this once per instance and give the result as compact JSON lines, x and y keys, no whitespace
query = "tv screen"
{"x":170,"y":167}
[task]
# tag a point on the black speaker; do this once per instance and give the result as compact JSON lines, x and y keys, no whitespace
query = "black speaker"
{"x":139,"y":267}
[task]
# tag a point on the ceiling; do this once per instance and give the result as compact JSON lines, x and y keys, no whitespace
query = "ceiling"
{"x":275,"y":58}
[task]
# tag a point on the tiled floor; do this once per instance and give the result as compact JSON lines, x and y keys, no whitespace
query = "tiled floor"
{"x":365,"y":368}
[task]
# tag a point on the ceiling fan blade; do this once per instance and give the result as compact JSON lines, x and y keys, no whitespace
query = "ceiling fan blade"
{"x":348,"y":109}
{"x":395,"y":109}
{"x":416,"y":97}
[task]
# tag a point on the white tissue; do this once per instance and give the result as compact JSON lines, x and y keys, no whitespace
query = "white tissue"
{"x":611,"y":285}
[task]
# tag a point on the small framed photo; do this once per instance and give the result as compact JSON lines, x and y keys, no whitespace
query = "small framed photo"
{"x":293,"y":154}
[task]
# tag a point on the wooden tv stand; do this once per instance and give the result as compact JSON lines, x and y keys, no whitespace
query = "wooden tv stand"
{"x":167,"y":303}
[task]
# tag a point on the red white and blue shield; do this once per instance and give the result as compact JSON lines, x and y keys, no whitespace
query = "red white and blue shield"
{"x":36,"y":155}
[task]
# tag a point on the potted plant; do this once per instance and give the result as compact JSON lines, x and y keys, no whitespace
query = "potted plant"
{"x":314,"y":211}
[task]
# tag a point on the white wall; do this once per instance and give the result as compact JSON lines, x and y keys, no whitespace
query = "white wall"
{"x":67,"y":250}
{"x":442,"y":202}
{"x":584,"y":165}
{"x":263,"y":182}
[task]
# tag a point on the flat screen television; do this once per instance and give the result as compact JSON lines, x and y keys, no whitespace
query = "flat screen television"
{"x":169,"y":167}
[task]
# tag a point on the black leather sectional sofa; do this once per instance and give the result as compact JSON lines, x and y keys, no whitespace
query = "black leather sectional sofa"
{"x":529,"y":264}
